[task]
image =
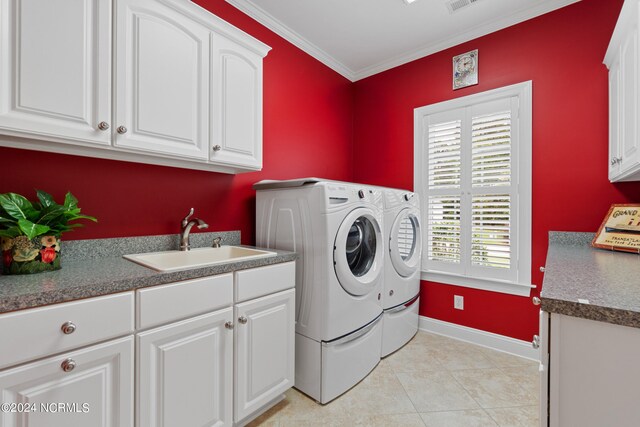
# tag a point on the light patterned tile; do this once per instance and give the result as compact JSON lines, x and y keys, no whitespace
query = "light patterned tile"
{"x":461,"y":355}
{"x":414,"y":357}
{"x":472,"y":418}
{"x":506,"y":360}
{"x":492,"y":388}
{"x":430,"y":339}
{"x":379,"y":393}
{"x":528,"y":377}
{"x":404,"y":420}
{"x":526,"y":416}
{"x":435,"y":391}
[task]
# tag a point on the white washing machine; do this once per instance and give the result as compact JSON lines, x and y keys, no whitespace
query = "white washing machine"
{"x":336,"y":229}
{"x":401,"y":295}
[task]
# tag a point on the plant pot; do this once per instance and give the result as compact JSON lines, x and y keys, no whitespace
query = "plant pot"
{"x":23,"y":256}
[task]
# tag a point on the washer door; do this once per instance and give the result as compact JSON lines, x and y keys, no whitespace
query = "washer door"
{"x":357,"y":253}
{"x":405,"y":242}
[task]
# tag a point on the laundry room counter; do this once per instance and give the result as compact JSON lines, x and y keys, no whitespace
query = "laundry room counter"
{"x":590,"y":283}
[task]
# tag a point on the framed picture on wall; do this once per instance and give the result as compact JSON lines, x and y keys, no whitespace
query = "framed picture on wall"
{"x":465,"y":69}
{"x":620,"y":230}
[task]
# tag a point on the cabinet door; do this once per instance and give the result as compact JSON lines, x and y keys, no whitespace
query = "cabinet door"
{"x":236,"y":129}
{"x":593,"y":373}
{"x":629,"y":153}
{"x":55,"y":69}
{"x":97,"y":392}
{"x":264,"y":354}
{"x":615,"y":96}
{"x":185,"y":373}
{"x":162,"y":80}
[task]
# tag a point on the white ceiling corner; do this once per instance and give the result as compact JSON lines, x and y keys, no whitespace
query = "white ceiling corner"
{"x":272,"y":23}
{"x":388,"y":33}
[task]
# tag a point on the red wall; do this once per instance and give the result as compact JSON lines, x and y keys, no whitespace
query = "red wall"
{"x":561,"y":52}
{"x":308,"y":116}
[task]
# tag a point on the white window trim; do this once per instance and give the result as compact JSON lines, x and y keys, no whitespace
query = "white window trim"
{"x":522,"y":286}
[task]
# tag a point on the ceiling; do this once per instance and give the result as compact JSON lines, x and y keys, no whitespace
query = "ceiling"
{"x":359,"y":38}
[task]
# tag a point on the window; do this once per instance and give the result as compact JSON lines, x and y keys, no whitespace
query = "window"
{"x":473,"y":173}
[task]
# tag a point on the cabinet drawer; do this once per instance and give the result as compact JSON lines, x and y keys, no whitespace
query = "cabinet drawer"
{"x":261,"y":281}
{"x":38,"y":332}
{"x":164,"y":304}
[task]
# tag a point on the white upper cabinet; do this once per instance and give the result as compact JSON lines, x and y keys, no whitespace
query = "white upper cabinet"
{"x":55,"y":69}
{"x":237,"y":104}
{"x":162,"y":80}
{"x":622,"y":61}
{"x":186,"y":86}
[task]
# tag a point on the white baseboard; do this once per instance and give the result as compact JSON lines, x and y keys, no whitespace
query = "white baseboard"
{"x":478,"y":337}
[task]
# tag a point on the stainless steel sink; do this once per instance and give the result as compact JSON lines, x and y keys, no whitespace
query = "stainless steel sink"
{"x":195,"y":258}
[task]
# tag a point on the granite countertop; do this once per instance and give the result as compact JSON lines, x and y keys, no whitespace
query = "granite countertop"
{"x":92,"y":268}
{"x":595,"y":284}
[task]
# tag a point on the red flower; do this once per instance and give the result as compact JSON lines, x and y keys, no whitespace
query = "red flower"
{"x":7,"y":258}
{"x":48,"y":255}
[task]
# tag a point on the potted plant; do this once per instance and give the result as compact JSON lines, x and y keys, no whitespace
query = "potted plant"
{"x":30,"y":232}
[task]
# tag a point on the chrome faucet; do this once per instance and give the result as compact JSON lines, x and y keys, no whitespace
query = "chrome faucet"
{"x":187,"y":223}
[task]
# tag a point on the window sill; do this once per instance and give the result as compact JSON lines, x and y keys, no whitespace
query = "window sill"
{"x":503,"y":287}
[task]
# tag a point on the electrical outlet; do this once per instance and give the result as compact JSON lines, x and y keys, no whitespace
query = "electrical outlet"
{"x":458,"y":302}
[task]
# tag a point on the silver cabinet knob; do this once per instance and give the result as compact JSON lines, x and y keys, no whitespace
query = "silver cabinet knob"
{"x":536,"y":341}
{"x":122,"y":130}
{"x":243,"y":320}
{"x":228,"y":325}
{"x":68,"y":365}
{"x":536,"y":301}
{"x":103,"y":125}
{"x":542,"y":269}
{"x":616,"y":160}
{"x":68,"y":328}
{"x":391,"y":293}
{"x":216,"y":148}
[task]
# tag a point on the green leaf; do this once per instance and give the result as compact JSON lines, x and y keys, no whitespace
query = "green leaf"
{"x":70,"y":202}
{"x":51,"y":214}
{"x":18,"y":206}
{"x":46,"y":200}
{"x":32,"y":230}
{"x":11,"y":232}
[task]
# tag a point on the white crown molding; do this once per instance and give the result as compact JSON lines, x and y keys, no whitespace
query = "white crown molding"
{"x":264,"y":18}
{"x":481,"y":338}
{"x":257,"y":13}
{"x":539,"y":9}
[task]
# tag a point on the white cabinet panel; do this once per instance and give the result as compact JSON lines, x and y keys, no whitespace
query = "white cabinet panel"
{"x":624,"y":94}
{"x":99,"y":390}
{"x":55,"y":69}
{"x":264,"y":347}
{"x":185,"y":373}
{"x":162,"y":80}
{"x":236,"y":130}
{"x":593,"y":373}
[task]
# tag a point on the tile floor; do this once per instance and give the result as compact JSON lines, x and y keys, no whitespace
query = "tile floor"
{"x":433,"y":381}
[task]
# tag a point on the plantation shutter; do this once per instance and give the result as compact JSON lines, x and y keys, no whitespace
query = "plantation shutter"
{"x":471,"y":194}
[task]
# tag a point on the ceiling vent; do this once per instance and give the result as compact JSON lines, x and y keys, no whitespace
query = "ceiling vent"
{"x":457,"y":5}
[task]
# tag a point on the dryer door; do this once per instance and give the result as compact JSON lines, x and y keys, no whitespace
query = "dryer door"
{"x":405,"y":242}
{"x":357,"y":253}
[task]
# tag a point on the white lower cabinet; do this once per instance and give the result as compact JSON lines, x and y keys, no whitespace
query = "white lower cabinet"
{"x":590,"y":373}
{"x":202,"y":358}
{"x":185,"y":372}
{"x":88,"y":387}
{"x":264,"y":351}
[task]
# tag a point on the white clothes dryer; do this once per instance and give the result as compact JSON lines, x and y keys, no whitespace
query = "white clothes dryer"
{"x":401,"y":295}
{"x":336,"y":230}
